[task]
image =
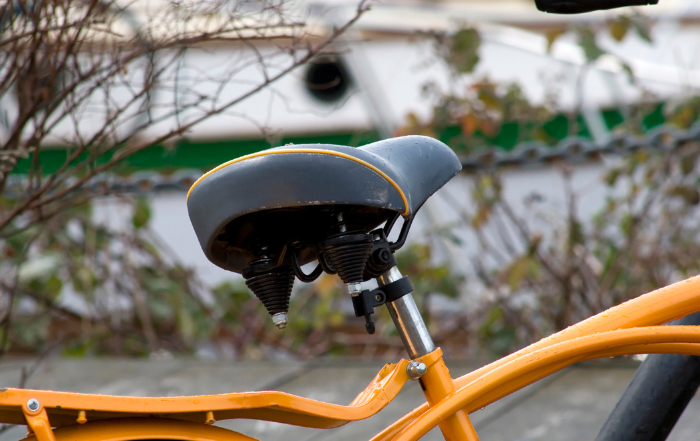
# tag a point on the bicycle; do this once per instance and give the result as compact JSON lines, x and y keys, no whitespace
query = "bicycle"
{"x":338,"y":205}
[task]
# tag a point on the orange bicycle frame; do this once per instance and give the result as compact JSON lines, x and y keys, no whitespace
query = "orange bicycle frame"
{"x":630,"y":328}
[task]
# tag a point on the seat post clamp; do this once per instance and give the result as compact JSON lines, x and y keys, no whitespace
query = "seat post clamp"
{"x":367,"y":300}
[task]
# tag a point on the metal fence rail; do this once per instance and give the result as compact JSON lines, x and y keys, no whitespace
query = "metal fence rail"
{"x":576,"y":150}
{"x":573,"y":150}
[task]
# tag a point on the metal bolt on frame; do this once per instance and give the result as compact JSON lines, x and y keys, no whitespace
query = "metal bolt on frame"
{"x":33,"y":404}
{"x":416,"y":369}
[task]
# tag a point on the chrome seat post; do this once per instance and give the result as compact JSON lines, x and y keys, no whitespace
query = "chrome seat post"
{"x":407,"y":319}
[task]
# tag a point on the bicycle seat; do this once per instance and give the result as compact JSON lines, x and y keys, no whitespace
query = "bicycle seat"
{"x":281,"y":193}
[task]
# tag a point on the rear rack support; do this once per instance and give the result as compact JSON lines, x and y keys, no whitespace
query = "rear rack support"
{"x":38,"y":421}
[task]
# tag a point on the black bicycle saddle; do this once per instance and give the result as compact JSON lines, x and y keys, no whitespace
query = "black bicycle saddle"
{"x":294,"y":195}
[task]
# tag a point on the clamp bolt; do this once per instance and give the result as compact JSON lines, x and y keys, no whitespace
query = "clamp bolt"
{"x":280,"y":320}
{"x":354,"y":289}
{"x":416,"y":369}
{"x":384,"y":256}
{"x":33,"y":404}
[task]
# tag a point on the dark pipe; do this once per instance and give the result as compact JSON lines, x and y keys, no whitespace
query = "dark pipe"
{"x":580,"y":6}
{"x":656,"y":397}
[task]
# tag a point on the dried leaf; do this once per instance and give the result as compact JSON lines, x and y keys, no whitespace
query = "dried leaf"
{"x":552,"y":36}
{"x":690,"y":195}
{"x":469,"y":124}
{"x":688,"y":163}
{"x":618,"y":28}
{"x":481,"y":216}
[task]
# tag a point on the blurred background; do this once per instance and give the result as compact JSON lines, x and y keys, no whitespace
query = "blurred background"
{"x":578,"y":137}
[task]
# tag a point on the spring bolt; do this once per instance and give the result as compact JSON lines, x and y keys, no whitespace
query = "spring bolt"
{"x":341,"y":223}
{"x":416,"y":369}
{"x":354,"y":289}
{"x":280,"y":320}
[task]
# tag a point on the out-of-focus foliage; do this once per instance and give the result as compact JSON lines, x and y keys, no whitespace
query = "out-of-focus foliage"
{"x":549,"y":277}
{"x":83,"y":287}
{"x":622,"y":24}
{"x":684,"y":112}
{"x":416,"y":261}
{"x":92,"y":78}
{"x":89,"y":288}
{"x":479,"y":113}
{"x":539,"y":268}
{"x":460,"y":50}
{"x":481,"y":108}
{"x":473,"y":111}
{"x":243,"y":327}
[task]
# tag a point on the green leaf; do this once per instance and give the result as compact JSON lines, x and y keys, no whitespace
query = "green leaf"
{"x":517,"y":272}
{"x":497,"y":332}
{"x":642,"y":27}
{"x":611,"y":176}
{"x":451,"y":236}
{"x":142,"y":213}
{"x":627,"y":222}
{"x":534,"y":244}
{"x":84,"y":280}
{"x":464,"y":50}
{"x":186,"y":324}
{"x":628,"y":71}
{"x":576,"y":233}
{"x":54,"y":286}
{"x":587,"y":42}
{"x":490,"y":99}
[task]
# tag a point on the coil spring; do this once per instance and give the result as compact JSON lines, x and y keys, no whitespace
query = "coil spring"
{"x":349,"y":260}
{"x":273,"y":288}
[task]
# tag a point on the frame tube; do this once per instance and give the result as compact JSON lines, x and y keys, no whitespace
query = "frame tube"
{"x":436,"y":382}
{"x":655,"y":308}
{"x":535,"y":365}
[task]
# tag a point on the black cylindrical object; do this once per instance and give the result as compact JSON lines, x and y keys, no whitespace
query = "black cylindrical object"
{"x":580,"y":6}
{"x":348,"y":255}
{"x":656,"y":396}
{"x":273,"y":288}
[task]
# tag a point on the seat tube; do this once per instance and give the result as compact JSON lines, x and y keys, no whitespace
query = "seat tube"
{"x":436,"y":382}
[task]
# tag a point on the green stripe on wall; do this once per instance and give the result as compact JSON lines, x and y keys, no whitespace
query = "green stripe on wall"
{"x":206,"y":155}
{"x":199,"y":155}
